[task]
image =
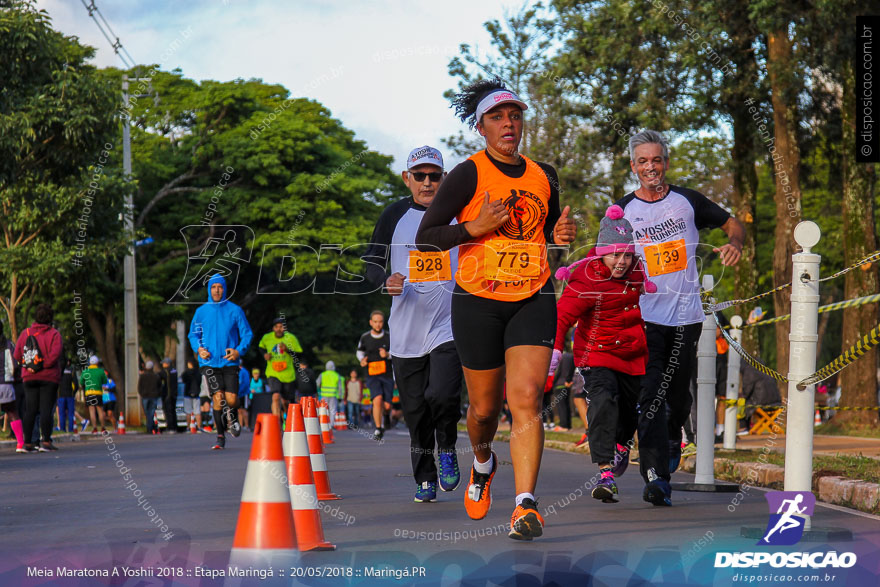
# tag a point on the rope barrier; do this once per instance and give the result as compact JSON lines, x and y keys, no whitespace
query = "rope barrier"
{"x":864,"y":261}
{"x":717,"y":307}
{"x":851,"y":355}
{"x":853,"y":303}
{"x":749,"y":358}
{"x":713,"y":307}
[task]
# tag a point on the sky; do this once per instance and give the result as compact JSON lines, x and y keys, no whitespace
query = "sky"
{"x":380,"y":66}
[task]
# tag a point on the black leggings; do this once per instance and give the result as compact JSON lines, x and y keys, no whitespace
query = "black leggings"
{"x":41,"y":397}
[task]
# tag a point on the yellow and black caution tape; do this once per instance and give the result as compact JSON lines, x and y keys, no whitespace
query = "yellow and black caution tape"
{"x":827,"y":308}
{"x":869,"y":259}
{"x":851,"y":355}
{"x":749,"y":358}
{"x":733,"y":402}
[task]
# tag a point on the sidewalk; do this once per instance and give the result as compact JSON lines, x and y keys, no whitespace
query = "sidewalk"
{"x":822,"y":445}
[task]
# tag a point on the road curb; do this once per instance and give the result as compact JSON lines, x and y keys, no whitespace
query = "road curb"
{"x":834,"y":489}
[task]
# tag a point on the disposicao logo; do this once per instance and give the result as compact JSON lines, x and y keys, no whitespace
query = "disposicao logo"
{"x":784,"y":528}
{"x":786,"y":524}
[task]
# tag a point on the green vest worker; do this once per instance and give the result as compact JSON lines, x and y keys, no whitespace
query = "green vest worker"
{"x":279,"y":349}
{"x":330,"y":388}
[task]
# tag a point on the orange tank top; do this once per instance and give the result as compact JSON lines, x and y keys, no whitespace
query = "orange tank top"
{"x":509,"y":264}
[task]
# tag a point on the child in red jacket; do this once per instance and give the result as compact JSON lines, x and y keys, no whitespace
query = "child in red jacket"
{"x":610,"y":347}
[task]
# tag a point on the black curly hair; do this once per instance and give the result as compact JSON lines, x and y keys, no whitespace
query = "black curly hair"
{"x":466,"y":101}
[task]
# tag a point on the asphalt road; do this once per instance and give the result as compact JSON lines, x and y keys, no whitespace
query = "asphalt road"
{"x":73,"y":509}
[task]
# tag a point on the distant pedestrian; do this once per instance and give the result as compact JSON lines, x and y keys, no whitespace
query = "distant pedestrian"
{"x":67,"y":399}
{"x":92,"y":381}
{"x":38,"y":350}
{"x":7,"y":390}
{"x":191,"y":383}
{"x":168,"y":375}
{"x":330,"y":386}
{"x":354,"y":391}
{"x":244,"y":390}
{"x":306,"y":379}
{"x":109,"y":400}
{"x":148,"y":389}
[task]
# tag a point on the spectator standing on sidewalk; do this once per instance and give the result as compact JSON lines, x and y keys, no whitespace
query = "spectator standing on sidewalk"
{"x":354,"y":391}
{"x":149,"y":390}
{"x":168,"y":375}
{"x":7,"y":390}
{"x":41,"y":373}
{"x":67,"y":399}
{"x":191,"y":384}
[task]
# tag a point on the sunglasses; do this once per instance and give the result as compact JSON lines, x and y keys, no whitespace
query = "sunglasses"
{"x":420,"y":175}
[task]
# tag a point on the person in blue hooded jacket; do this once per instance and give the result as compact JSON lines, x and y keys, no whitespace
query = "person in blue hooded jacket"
{"x":219,"y":335}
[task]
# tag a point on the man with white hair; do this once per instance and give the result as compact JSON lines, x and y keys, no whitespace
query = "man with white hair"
{"x":666,"y":221}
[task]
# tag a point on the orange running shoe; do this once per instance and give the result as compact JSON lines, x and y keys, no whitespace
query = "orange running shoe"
{"x":526,"y":523}
{"x":478,"y":497}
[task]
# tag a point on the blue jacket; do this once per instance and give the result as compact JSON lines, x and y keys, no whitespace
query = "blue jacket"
{"x":218,"y":326}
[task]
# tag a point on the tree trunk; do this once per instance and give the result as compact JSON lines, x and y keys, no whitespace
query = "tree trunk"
{"x":745,"y":187}
{"x":785,"y":158}
{"x":858,"y":382}
{"x":10,"y":305}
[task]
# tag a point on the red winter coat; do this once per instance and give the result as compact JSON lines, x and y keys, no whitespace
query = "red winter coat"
{"x":610,"y":332}
{"x":49,"y":340}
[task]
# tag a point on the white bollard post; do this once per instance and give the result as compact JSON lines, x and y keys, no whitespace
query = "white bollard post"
{"x":732,"y":390}
{"x":705,"y":471}
{"x":802,"y":361}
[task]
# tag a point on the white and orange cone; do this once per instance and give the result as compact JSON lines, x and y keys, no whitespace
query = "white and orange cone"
{"x":324,"y":419}
{"x":193,"y":428}
{"x":316,"y":452}
{"x":265,"y":528}
{"x":301,"y":483}
{"x":120,"y":424}
{"x":817,"y":419}
{"x":340,"y":422}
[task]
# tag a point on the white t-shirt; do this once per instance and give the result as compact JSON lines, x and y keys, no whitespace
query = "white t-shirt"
{"x":421,"y":318}
{"x":666,"y":234}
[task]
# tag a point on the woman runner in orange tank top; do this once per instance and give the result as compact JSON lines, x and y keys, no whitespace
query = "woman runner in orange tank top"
{"x":504,"y":312}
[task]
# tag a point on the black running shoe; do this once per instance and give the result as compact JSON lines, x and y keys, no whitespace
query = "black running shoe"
{"x":220,"y":444}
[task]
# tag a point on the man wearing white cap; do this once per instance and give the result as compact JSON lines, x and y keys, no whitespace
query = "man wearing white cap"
{"x":92,"y":380}
{"x":423,"y":355}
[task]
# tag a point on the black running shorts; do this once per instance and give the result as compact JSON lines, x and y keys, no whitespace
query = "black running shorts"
{"x":221,"y":379}
{"x":484,"y":329}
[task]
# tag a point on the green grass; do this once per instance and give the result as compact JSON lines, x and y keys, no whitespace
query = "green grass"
{"x":849,"y":466}
{"x":836,"y":428}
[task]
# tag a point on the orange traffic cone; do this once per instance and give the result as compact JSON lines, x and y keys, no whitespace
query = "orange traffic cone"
{"x":193,"y":428}
{"x":817,"y":420}
{"x":340,"y":423}
{"x":324,"y":419}
{"x":301,"y":483}
{"x":316,"y":451}
{"x":120,"y":425}
{"x":265,"y":523}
